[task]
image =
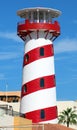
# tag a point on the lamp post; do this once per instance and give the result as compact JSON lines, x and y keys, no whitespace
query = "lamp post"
{"x":6,"y":92}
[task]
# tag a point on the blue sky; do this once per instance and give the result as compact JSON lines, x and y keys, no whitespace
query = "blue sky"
{"x":65,"y":46}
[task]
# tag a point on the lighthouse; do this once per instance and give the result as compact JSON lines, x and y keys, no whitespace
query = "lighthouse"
{"x":38,"y":92}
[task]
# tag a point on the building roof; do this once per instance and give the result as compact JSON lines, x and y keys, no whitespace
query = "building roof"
{"x":53,"y":12}
{"x":56,"y":127}
{"x":10,"y":93}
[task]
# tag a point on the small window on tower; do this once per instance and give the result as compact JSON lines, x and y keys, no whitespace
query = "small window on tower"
{"x":42,"y":114}
{"x":54,"y":79}
{"x":41,"y":82}
{"x":27,"y":58}
{"x":52,"y":49}
{"x":41,"y":51}
{"x":25,"y":88}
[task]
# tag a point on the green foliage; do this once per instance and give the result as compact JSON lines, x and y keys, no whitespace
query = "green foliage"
{"x":68,"y":117}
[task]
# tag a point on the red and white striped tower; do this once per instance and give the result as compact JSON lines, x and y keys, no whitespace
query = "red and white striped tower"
{"x":38,"y":93}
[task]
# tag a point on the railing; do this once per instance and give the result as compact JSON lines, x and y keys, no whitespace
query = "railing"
{"x":36,"y":21}
{"x":8,"y":112}
{"x":23,"y":127}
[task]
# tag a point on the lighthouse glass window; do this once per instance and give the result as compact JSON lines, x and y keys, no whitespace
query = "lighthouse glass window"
{"x":47,"y":17}
{"x":41,"y":16}
{"x":35,"y":16}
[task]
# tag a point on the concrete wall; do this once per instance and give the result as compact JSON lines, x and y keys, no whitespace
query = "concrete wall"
{"x":6,"y":121}
{"x":63,"y":105}
{"x":14,"y":123}
{"x":22,"y":122}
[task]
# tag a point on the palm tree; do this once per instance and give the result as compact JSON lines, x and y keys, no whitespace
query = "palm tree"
{"x":68,"y":117}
